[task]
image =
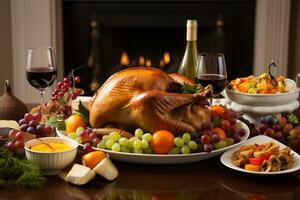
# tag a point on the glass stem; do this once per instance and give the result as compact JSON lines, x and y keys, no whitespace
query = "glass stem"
{"x":211,"y":101}
{"x":42,"y":100}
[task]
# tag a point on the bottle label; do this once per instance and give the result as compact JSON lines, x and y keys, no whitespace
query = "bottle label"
{"x":191,"y":34}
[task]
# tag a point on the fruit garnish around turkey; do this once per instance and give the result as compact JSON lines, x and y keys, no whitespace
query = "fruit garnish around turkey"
{"x":262,"y":84}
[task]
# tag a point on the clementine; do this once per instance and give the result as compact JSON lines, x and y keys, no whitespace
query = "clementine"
{"x":162,"y":141}
{"x":73,"y":122}
{"x":92,"y":159}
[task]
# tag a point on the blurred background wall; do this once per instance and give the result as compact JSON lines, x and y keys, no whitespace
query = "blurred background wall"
{"x":5,"y":43}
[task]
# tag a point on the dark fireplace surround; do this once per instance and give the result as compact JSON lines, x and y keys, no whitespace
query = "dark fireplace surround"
{"x":155,"y":31}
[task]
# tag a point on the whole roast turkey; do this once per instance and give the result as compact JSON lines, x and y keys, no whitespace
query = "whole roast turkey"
{"x":148,"y":98}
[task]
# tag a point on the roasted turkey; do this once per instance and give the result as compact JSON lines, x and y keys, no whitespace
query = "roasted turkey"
{"x":146,"y":98}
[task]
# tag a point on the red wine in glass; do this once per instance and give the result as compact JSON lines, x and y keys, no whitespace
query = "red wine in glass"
{"x":218,"y":81}
{"x":41,"y":77}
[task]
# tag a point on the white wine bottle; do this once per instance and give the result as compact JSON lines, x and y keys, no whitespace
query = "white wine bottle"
{"x":190,"y":59}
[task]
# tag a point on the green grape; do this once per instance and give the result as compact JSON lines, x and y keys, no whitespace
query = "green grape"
{"x":109,"y":143}
{"x":238,"y":125}
{"x":101,"y":144}
{"x":175,"y":150}
{"x":137,"y":144}
{"x":148,"y":150}
{"x":105,"y":137}
{"x":125,"y":149}
{"x":116,"y":147}
{"x":123,"y":141}
{"x":185,"y":149}
{"x":79,"y":130}
{"x":139,"y":133}
{"x":115,"y":136}
{"x":193,"y":145}
{"x":131,"y":141}
{"x":147,"y":136}
{"x":178,"y":141}
{"x":79,"y":140}
{"x":72,"y":135}
{"x":186,"y":138}
{"x":220,"y":145}
{"x":229,"y":141}
{"x":145,"y":144}
{"x":137,"y":151}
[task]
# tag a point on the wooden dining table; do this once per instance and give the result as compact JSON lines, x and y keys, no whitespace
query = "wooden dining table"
{"x":207,"y":180}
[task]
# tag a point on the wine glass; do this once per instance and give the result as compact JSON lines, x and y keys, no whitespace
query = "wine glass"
{"x":211,"y":69}
{"x":41,"y":69}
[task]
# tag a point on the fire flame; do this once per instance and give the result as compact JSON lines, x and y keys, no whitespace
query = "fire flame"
{"x":124,"y":59}
{"x":141,"y":60}
{"x":148,"y":63}
{"x":167,"y":58}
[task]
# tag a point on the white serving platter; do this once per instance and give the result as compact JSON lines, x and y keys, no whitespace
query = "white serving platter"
{"x":226,"y":157}
{"x":167,"y":158}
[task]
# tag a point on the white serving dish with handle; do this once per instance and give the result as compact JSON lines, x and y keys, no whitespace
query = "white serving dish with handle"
{"x":167,"y":158}
{"x":265,"y":99}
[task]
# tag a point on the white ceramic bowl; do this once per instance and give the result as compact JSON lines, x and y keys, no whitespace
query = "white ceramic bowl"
{"x":51,"y":163}
{"x":265,"y":99}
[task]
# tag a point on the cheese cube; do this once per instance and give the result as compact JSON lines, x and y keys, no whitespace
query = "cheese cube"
{"x":80,"y":175}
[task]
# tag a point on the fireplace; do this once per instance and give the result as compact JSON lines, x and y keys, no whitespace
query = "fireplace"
{"x":152,"y":33}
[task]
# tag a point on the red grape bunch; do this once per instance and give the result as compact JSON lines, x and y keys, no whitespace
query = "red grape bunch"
{"x":15,"y":143}
{"x":61,"y":98}
{"x":31,"y":124}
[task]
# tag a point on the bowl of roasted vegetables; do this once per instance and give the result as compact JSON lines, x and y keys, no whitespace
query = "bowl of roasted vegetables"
{"x":262,"y":155}
{"x":262,"y":90}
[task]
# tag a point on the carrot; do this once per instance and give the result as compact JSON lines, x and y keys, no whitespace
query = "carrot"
{"x":220,"y":132}
{"x":217,"y":110}
{"x":254,"y":168}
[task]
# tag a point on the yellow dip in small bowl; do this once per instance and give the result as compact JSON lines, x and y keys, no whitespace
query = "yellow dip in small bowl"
{"x":51,"y":159}
{"x":55,"y":147}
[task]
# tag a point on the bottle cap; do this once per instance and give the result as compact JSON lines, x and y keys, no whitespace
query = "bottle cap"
{"x":191,"y":23}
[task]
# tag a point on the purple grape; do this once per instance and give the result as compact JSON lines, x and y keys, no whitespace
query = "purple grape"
{"x":287,"y":128}
{"x":87,"y":147}
{"x":262,"y":128}
{"x":22,"y":121}
{"x":270,"y":120}
{"x":200,"y":147}
{"x":240,"y":131}
{"x":279,"y":136}
{"x":269,"y":132}
{"x":195,"y":135}
{"x":40,"y":129}
{"x":215,"y":138}
{"x":95,"y":141}
{"x":236,"y":138}
{"x":282,"y":121}
{"x":30,"y":129}
{"x":208,"y":147}
{"x":207,"y":126}
{"x":254,"y":132}
{"x":33,"y":123}
{"x":276,"y":127}
{"x":24,"y":127}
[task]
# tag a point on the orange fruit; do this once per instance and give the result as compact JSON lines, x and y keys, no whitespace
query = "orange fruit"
{"x":92,"y":159}
{"x":73,"y":122}
{"x":220,"y":132}
{"x":162,"y":141}
{"x":217,"y":110}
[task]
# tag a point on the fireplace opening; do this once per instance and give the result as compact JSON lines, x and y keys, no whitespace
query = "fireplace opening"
{"x":132,"y":33}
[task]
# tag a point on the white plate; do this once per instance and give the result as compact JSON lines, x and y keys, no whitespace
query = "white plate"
{"x":226,"y":157}
{"x":265,"y":99}
{"x":168,"y":158}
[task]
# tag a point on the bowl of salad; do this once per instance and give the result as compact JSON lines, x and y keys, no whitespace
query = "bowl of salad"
{"x":262,"y":90}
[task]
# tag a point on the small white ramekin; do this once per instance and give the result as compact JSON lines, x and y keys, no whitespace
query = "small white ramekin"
{"x":51,"y":163}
